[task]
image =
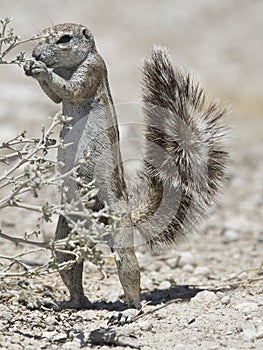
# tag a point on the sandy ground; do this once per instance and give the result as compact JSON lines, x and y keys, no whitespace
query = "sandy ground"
{"x":207,"y":293}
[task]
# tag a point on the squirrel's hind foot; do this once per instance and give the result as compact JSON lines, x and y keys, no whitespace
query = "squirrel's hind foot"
{"x":77,"y":304}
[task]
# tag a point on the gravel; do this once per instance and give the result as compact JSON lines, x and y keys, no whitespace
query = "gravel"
{"x":206,"y":293}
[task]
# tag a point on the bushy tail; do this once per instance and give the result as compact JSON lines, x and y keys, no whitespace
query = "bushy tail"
{"x":185,"y":156}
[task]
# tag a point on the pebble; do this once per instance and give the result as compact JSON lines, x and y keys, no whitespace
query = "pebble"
{"x":173,"y":262}
{"x":202,"y":271}
{"x":188,"y":268}
{"x":259,"y":329}
{"x":61,"y":337}
{"x":147,"y":283}
{"x":247,"y":308}
{"x":249,"y":334}
{"x":112,"y":297}
{"x":204,"y":297}
{"x":194,"y":280}
{"x":179,"y":347}
{"x":91,"y":267}
{"x":49,"y":335}
{"x":164,"y":271}
{"x":186,"y":258}
{"x":71,"y":345}
{"x":145,"y":325}
{"x":260,"y":238}
{"x":225,"y":300}
{"x":238,"y":222}
{"x":6,"y":315}
{"x":229,"y":236}
{"x":165,"y":285}
{"x":155,"y":266}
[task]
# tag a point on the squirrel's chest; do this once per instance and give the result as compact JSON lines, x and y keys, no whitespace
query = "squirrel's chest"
{"x":86,"y":134}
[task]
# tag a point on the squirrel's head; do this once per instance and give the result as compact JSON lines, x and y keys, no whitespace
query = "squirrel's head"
{"x":64,"y":45}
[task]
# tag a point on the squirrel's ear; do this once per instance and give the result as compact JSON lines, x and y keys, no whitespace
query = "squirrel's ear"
{"x":85,"y":33}
{"x":89,"y":37}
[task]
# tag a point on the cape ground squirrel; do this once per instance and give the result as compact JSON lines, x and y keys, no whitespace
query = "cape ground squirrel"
{"x":184,"y":158}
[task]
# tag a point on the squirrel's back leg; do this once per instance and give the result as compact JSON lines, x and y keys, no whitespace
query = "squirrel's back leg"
{"x":73,"y":276}
{"x":127,"y":265}
{"x":129,"y":275}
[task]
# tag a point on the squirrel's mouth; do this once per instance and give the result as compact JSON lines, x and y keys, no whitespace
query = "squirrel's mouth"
{"x":49,"y":61}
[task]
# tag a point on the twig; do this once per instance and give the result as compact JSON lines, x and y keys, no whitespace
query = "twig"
{"x":142,"y":314}
{"x":19,"y":42}
{"x":24,"y":241}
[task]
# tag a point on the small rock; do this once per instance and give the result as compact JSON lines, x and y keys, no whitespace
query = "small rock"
{"x":147,"y":283}
{"x":71,"y":345}
{"x":238,"y":222}
{"x":188,"y":268}
{"x":155,"y":266}
{"x":249,"y":334}
{"x":247,"y":308}
{"x":179,"y":347}
{"x":243,"y":275}
{"x":155,"y":330}
{"x":165,"y":285}
{"x":225,"y":300}
{"x":145,"y":325}
{"x":91,"y":267}
{"x":259,"y":330}
{"x":6,"y":315}
{"x":194,"y":280}
{"x":259,"y":333}
{"x":165,"y":270}
{"x":204,"y":297}
{"x":260,"y":238}
{"x":186,"y":258}
{"x":229,"y":236}
{"x":173,"y":262}
{"x":49,"y":335}
{"x":60,"y":337}
{"x":202,"y":271}
{"x":51,"y":320}
{"x":112,"y":297}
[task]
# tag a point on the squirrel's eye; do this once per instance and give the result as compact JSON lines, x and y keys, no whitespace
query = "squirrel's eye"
{"x":64,"y":39}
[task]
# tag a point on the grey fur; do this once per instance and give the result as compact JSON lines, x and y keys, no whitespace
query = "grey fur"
{"x":184,"y":161}
{"x":185,"y":154}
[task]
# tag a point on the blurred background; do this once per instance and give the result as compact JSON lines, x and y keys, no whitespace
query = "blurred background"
{"x":219,"y":41}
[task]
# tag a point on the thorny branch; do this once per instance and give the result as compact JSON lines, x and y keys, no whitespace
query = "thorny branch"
{"x":9,"y":40}
{"x":28,"y":172}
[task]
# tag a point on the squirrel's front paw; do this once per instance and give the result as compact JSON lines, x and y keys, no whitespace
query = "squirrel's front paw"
{"x":36,"y":69}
